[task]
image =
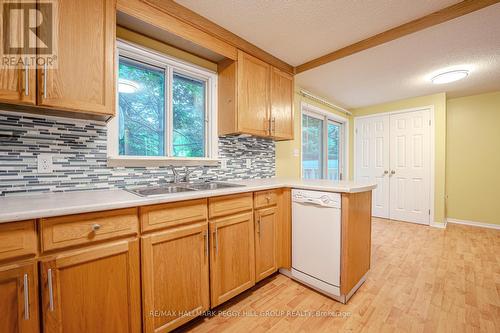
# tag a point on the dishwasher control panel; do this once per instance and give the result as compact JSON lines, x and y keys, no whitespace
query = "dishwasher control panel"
{"x":326,"y":199}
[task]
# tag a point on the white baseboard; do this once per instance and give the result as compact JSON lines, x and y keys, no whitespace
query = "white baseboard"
{"x":474,"y":223}
{"x":439,"y":224}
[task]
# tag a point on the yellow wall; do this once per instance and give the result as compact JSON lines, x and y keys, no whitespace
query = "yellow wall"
{"x":473,"y":158}
{"x":288,"y":165}
{"x":439,"y":103}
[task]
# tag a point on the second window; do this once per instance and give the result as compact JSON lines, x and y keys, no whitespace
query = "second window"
{"x":322,"y":147}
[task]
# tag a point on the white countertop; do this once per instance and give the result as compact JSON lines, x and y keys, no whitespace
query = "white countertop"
{"x":25,"y":207}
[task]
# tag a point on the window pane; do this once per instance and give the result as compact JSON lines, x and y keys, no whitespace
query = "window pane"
{"x":312,"y":147}
{"x":189,"y":117}
{"x":334,"y":131}
{"x":141,"y":93}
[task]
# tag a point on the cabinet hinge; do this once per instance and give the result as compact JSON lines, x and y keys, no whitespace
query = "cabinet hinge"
{"x":429,"y":122}
{"x":429,"y":212}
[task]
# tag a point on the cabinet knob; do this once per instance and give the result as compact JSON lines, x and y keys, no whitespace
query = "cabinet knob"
{"x":96,"y":226}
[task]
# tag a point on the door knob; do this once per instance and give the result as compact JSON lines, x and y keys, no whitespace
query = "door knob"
{"x":393,"y":172}
{"x":386,"y":172}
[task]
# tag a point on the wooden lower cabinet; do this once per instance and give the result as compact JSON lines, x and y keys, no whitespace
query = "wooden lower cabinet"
{"x":265,"y":242}
{"x":19,"y":298}
{"x":284,"y":229}
{"x":174,"y":276}
{"x":92,"y":290}
{"x":232,"y":261}
{"x":182,"y":270}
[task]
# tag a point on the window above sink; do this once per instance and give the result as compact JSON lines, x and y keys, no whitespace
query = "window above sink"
{"x":167,"y":112}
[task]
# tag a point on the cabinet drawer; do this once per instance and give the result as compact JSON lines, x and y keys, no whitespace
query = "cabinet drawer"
{"x":171,"y":214}
{"x":78,"y":229}
{"x":229,"y":204}
{"x":17,"y":239}
{"x":265,"y":198}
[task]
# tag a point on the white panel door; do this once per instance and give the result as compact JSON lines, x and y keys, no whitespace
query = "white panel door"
{"x":372,"y":159}
{"x":410,"y":166}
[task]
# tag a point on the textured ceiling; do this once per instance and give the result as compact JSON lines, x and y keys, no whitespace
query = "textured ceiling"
{"x":402,"y":68}
{"x":300,"y":30}
{"x":296,"y":31}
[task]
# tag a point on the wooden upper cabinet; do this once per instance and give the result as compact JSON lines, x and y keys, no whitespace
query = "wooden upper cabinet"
{"x":232,"y":260}
{"x":281,"y":105}
{"x":265,"y":242}
{"x":83,"y":79}
{"x":174,"y":276}
{"x":92,"y":290}
{"x":253,"y":95}
{"x":254,"y":98}
{"x":17,"y":84}
{"x":19,"y":298}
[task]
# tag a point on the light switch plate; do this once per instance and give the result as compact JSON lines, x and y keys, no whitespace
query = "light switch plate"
{"x":248,"y":163}
{"x":295,"y":153}
{"x":44,"y":163}
{"x":223,"y":164}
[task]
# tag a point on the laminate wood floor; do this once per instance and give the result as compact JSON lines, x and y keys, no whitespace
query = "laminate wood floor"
{"x":422,"y":279}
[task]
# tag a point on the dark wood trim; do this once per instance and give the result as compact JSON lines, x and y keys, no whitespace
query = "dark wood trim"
{"x":440,"y":16}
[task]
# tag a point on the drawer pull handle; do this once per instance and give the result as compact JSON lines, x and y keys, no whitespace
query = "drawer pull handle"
{"x":51,"y":289}
{"x":216,"y":241}
{"x":205,"y":236}
{"x":26,"y":78}
{"x":95,"y":227}
{"x":26,"y":298}
{"x":259,"y":229}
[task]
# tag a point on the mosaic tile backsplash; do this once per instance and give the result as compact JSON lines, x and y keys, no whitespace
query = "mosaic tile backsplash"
{"x":78,"y":148}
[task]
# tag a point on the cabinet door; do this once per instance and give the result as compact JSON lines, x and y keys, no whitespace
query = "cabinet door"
{"x":17,"y":84}
{"x":19,"y":298}
{"x":281,"y":105}
{"x":92,"y":290}
{"x":232,"y":261}
{"x":265,"y":242}
{"x":174,"y":276}
{"x":284,"y":229}
{"x":253,"y":95}
{"x":83,"y":78}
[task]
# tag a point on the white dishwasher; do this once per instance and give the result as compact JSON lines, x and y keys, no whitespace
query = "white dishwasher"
{"x":316,"y":238}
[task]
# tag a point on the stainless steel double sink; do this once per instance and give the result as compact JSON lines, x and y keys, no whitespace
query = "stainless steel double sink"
{"x":150,"y":191}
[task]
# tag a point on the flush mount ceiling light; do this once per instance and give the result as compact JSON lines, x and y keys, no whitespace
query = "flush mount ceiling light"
{"x":127,"y":86}
{"x":450,"y":76}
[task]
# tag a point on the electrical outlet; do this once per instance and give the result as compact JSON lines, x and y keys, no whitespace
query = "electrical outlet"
{"x":248,"y":163}
{"x":44,"y":162}
{"x":223,"y":164}
{"x":295,"y":153}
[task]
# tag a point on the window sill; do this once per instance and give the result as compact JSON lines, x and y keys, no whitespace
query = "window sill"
{"x":147,"y":161}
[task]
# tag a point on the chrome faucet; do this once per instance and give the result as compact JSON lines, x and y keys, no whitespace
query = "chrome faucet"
{"x":182,"y":178}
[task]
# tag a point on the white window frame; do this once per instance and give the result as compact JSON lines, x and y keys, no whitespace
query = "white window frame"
{"x":170,"y":65}
{"x":319,"y":113}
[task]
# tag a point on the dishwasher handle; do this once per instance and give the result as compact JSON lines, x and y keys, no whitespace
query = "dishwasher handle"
{"x":317,"y":202}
